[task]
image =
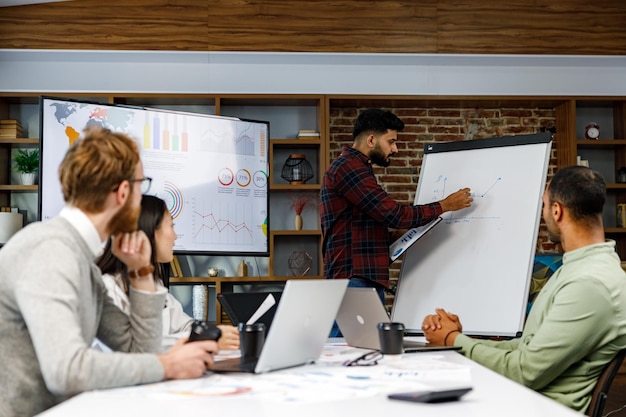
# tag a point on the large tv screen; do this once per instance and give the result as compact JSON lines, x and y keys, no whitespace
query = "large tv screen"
{"x":212,"y":171}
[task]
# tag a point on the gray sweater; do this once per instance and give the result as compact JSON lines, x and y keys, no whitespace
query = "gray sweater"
{"x":53,"y":304}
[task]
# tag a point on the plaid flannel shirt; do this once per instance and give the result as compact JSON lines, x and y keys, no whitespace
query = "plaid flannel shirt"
{"x":355,"y":215}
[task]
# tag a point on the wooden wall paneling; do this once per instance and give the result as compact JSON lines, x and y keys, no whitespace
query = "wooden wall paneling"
{"x":109,"y":25}
{"x":5,"y":158}
{"x":325,"y":134}
{"x":4,"y":109}
{"x":619,"y":129}
{"x":323,"y":26}
{"x":565,"y":137}
{"x":383,"y":26}
{"x":532,"y":27}
{"x":619,"y":120}
{"x":5,"y":162}
{"x":218,"y":106}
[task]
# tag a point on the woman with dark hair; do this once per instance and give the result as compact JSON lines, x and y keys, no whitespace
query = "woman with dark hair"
{"x":156,"y":221}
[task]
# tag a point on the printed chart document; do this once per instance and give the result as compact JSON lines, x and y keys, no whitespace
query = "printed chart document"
{"x":398,"y":247}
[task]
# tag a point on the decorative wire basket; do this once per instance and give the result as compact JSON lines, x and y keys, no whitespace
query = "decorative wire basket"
{"x":297,"y":170}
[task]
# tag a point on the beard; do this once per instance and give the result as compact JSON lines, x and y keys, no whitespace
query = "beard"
{"x":126,"y":219}
{"x":555,"y":237}
{"x":553,"y":232}
{"x":379,"y":158}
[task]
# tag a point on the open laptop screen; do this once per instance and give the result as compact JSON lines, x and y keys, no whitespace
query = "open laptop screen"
{"x":240,"y":306}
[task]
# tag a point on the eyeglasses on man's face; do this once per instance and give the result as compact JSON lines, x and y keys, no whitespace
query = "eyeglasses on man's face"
{"x":145,"y":183}
{"x":367,"y":359}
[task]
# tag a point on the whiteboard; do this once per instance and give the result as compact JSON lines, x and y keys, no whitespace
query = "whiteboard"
{"x":478,"y":261}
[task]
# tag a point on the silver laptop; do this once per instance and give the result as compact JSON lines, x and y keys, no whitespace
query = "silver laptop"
{"x":300,"y":328}
{"x":360,"y":312}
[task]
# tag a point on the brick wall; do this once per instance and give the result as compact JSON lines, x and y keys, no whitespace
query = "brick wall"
{"x":424,"y":125}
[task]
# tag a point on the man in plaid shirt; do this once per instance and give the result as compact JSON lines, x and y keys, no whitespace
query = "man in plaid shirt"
{"x":356,"y":213}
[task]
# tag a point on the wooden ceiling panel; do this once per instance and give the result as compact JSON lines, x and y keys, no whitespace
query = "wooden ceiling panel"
{"x":322,"y":26}
{"x":385,"y":26}
{"x":109,"y":25}
{"x":532,"y":27}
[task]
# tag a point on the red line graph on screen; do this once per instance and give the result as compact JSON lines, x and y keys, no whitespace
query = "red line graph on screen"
{"x":209,"y":222}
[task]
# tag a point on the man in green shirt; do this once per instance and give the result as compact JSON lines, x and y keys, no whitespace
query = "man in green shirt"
{"x":578,"y":321}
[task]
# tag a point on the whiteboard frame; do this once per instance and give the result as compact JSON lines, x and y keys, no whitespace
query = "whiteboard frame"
{"x":442,"y":269}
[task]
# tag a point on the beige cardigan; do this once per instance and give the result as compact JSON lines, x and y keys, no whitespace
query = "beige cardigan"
{"x":53,"y":304}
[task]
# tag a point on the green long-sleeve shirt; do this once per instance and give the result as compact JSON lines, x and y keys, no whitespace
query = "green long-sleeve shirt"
{"x":576,"y":326}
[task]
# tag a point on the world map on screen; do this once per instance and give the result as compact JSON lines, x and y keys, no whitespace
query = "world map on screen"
{"x":72,"y":117}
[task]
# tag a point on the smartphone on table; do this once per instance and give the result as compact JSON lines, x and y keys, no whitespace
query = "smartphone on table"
{"x":429,"y":396}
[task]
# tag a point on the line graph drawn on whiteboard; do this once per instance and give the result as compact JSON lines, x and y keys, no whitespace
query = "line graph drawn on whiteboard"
{"x":466,"y":215}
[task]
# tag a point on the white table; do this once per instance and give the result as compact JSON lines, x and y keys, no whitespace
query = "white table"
{"x":492,"y":394}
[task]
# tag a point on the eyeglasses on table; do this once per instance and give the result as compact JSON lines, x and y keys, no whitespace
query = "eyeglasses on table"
{"x":367,"y":359}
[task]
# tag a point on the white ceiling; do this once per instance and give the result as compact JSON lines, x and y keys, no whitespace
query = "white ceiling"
{"x":7,"y":3}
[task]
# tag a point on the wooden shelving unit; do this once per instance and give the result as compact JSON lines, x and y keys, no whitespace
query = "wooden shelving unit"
{"x":6,"y":147}
{"x":606,"y":155}
{"x":288,"y":113}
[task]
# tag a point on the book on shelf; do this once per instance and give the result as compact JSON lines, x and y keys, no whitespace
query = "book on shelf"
{"x":308,"y":133}
{"x":11,"y":129}
{"x":10,"y":133}
{"x":10,"y":123}
{"x":7,"y":209}
{"x":15,"y":124}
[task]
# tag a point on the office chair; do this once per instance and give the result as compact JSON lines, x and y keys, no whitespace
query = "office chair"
{"x":601,"y":391}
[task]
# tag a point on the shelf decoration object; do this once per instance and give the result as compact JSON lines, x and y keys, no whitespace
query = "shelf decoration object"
{"x":621,"y":175}
{"x":298,"y":203}
{"x":27,"y":178}
{"x":300,"y":263}
{"x":10,"y":223}
{"x":200,"y":301}
{"x":213,"y":271}
{"x":297,"y":170}
{"x":592,"y":131}
{"x":621,"y":215}
{"x":27,"y":164}
{"x":242,"y":269}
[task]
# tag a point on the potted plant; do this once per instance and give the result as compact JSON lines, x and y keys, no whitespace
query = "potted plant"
{"x":27,"y":164}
